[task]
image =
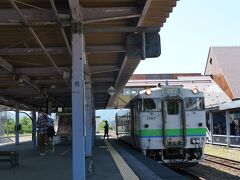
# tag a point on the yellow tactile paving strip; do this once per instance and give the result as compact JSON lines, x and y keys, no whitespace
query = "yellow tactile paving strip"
{"x":124,"y":169}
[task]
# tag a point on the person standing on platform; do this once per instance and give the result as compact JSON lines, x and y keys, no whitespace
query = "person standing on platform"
{"x":43,"y":125}
{"x":233,"y":128}
{"x":106,"y":128}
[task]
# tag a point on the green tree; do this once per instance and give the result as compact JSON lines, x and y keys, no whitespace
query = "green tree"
{"x":9,"y":126}
{"x":101,"y":125}
{"x":26,"y":124}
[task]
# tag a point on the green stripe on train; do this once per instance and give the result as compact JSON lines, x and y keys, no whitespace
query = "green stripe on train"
{"x":171,"y":132}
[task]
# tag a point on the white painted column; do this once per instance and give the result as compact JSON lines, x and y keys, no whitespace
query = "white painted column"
{"x":88,"y":119}
{"x":34,"y":130}
{"x":228,"y":127}
{"x":78,"y":156}
{"x":17,"y":125}
{"x":211,"y":125}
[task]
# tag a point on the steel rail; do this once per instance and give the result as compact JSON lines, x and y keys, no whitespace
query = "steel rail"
{"x":222,"y":163}
{"x":189,"y":173}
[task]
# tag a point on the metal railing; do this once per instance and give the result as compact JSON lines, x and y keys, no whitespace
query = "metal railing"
{"x":234,"y":141}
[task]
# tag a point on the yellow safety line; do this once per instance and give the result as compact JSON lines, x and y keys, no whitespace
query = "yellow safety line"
{"x":124,"y":169}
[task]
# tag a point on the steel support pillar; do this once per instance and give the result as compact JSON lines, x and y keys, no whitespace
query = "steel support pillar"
{"x":34,"y":130}
{"x":88,"y":97}
{"x":78,"y":157}
{"x":228,"y":127}
{"x":211,"y":125}
{"x":17,"y":125}
{"x":93,"y":124}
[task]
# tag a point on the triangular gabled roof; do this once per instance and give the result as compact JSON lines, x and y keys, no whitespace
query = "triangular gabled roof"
{"x":224,"y":65}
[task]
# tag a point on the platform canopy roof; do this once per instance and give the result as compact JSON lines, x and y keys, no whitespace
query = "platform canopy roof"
{"x":35,"y":47}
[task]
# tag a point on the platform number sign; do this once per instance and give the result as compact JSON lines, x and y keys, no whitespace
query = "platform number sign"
{"x":111,"y":91}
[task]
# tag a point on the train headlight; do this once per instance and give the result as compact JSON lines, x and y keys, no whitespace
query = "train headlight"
{"x":195,"y":140}
{"x":148,"y":92}
{"x":195,"y":91}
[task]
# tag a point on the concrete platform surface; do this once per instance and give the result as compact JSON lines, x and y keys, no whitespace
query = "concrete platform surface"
{"x":57,"y":165}
{"x":111,"y":161}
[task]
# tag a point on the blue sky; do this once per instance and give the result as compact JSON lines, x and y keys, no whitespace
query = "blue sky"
{"x":108,"y":115}
{"x":191,"y":29}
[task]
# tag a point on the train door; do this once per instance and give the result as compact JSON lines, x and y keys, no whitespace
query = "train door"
{"x":174,"y":127}
{"x":133,"y":124}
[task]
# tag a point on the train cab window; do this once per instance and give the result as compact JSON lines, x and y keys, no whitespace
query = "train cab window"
{"x":139,"y":105}
{"x":172,"y":107}
{"x":151,"y":104}
{"x":194,"y":103}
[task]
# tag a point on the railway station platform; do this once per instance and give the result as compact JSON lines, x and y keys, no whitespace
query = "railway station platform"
{"x":111,"y":160}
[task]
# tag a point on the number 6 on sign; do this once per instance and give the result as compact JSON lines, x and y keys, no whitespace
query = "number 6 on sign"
{"x":77,"y":83}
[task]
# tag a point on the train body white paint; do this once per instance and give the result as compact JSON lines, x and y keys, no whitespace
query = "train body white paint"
{"x":167,"y":123}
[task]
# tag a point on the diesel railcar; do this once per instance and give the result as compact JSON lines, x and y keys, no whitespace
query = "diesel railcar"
{"x":166,"y":123}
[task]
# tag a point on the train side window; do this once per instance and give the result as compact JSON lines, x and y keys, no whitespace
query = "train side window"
{"x":172,"y":107}
{"x":195,"y":103}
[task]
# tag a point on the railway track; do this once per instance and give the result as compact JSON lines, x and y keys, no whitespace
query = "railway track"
{"x":223,"y":162}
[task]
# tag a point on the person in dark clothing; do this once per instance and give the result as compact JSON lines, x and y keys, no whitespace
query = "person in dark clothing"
{"x":43,"y":124}
{"x":233,"y":128}
{"x":106,"y":128}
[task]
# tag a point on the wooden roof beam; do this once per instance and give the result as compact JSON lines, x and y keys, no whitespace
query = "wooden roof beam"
{"x":61,"y":27}
{"x":24,"y":78}
{"x":117,"y":29}
{"x":144,"y":12}
{"x":25,"y":23}
{"x":93,"y":15}
{"x":35,"y":71}
{"x":7,"y":66}
{"x":60,"y":50}
{"x":110,"y":79}
{"x":31,"y":51}
{"x":103,"y":69}
{"x":105,"y":49}
{"x":90,"y":15}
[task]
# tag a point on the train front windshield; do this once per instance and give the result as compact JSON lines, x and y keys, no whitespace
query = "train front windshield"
{"x":150,"y":104}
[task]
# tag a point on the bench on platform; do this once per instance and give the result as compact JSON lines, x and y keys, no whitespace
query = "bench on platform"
{"x":9,"y":156}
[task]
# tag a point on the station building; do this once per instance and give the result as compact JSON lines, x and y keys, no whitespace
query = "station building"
{"x":223,"y":67}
